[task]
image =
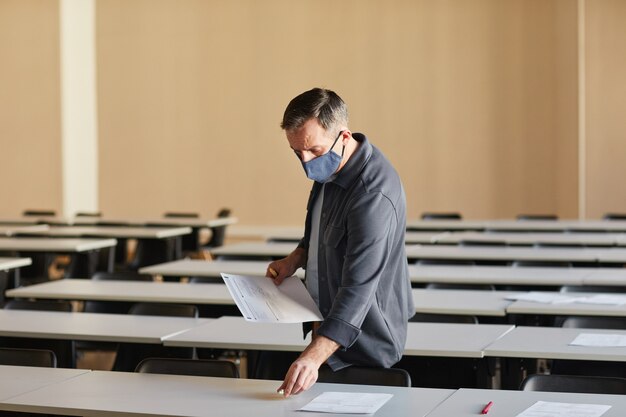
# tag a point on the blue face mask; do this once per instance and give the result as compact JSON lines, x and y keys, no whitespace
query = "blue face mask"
{"x":320,"y":169}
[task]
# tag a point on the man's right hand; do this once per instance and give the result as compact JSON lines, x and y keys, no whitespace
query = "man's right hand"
{"x":286,"y":267}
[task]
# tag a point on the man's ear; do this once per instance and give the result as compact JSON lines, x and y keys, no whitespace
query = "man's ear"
{"x":345,"y":137}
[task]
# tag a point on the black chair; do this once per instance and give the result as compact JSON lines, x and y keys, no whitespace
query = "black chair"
{"x":192,"y":367}
{"x":113,"y":307}
{"x":614,"y":216}
{"x":591,"y":368}
{"x":218,"y":233}
{"x":523,"y":217}
{"x":577,"y":384}
{"x":181,"y":215}
{"x":129,"y":355}
{"x":441,"y":216}
{"x":470,"y":242}
{"x":593,"y":288}
{"x":64,"y":350}
{"x":443,"y":318}
{"x":451,"y":373}
{"x":39,"y":213}
{"x":88,"y":214}
{"x":28,"y":357}
{"x":452,"y":286}
{"x":361,"y":375}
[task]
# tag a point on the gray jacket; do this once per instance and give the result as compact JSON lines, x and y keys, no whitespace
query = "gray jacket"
{"x":364,"y":288}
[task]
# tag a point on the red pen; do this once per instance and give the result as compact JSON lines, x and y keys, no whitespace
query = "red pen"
{"x":487,"y":407}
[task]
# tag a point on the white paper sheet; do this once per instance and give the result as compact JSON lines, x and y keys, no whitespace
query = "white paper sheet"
{"x":605,"y":299}
{"x":553,"y":409}
{"x":347,"y":402}
{"x":260,"y":300}
{"x":542,"y":297}
{"x":599,"y":340}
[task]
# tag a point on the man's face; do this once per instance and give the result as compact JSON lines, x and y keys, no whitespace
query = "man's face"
{"x":311,"y":140}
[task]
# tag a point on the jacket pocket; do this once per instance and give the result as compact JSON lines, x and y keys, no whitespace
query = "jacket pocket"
{"x":333,"y":236}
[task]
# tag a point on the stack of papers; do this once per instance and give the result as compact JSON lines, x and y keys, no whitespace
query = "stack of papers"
{"x":347,"y":403}
{"x":553,"y":409}
{"x":599,"y":340}
{"x":557,"y":298}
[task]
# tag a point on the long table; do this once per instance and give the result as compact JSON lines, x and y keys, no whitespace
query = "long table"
{"x":419,"y":274}
{"x":613,"y":226}
{"x":7,"y":230}
{"x":424,"y":339}
{"x":100,"y":393}
{"x":92,"y":326}
{"x":478,"y":303}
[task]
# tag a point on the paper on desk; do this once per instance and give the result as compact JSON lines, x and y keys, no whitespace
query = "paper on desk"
{"x":606,"y":299}
{"x":542,"y":297}
{"x":260,"y":300}
{"x":599,"y":340}
{"x":553,"y":409}
{"x":347,"y":402}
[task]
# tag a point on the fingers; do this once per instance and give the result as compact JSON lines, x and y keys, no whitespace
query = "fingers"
{"x":299,"y":378}
{"x":274,"y":271}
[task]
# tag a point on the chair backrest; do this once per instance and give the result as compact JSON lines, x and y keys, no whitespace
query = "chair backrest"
{"x":522,"y":217}
{"x":218,"y":234}
{"x":593,"y":288}
{"x":361,"y":375}
{"x":120,"y":276}
{"x":88,"y":214}
{"x":443,"y":318}
{"x":453,"y":286}
{"x":576,"y":322}
{"x":40,"y":305}
{"x":164,"y":309}
{"x":470,"y":242}
{"x":441,"y":216}
{"x":181,"y":215}
{"x":614,"y":216}
{"x":39,"y":213}
{"x":578,"y":384}
{"x":193,"y":367}
{"x":206,"y":280}
{"x":28,"y":357}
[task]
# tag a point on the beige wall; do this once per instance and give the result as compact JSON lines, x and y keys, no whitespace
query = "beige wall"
{"x":30,"y":119}
{"x":606,"y":106}
{"x":475,"y":102}
{"x":468,"y":99}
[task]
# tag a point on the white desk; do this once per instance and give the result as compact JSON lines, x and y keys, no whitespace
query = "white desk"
{"x":464,"y":302}
{"x":612,"y":255}
{"x":424,"y":339}
{"x":483,"y":303}
{"x":12,"y":263}
{"x":132,"y":291}
{"x":529,"y":239}
{"x":606,"y":276}
{"x":199,"y":268}
{"x":156,"y":222}
{"x":92,"y":326}
{"x":515,"y":225}
{"x":119,"y":393}
{"x":470,"y":402}
{"x":54,"y":245}
{"x":111,"y":231}
{"x":34,"y":220}
{"x":255,"y":249}
{"x":13,"y":230}
{"x":505,"y":253}
{"x":16,"y":380}
{"x":498,"y":275}
{"x":552,"y":343}
{"x":567,"y":309}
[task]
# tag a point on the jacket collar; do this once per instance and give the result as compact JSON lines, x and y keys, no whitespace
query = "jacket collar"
{"x":355,"y":164}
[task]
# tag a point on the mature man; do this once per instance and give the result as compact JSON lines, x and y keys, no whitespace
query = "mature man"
{"x":353,"y":248}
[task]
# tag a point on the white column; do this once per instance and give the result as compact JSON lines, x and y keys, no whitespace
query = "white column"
{"x":78,"y":106}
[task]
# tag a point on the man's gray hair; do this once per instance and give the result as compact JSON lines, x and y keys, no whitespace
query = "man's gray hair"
{"x":324,"y":105}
